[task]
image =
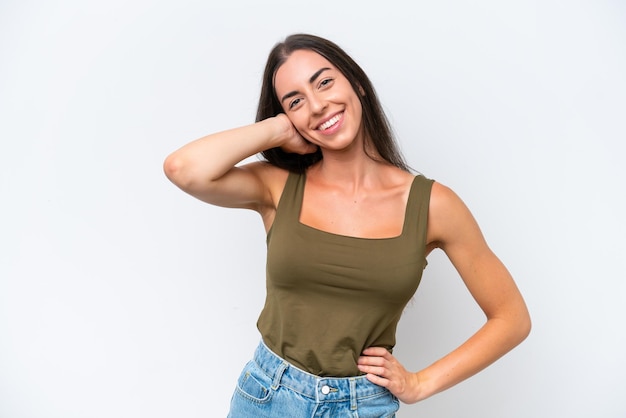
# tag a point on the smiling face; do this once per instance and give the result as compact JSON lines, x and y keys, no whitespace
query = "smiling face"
{"x":319,"y":100}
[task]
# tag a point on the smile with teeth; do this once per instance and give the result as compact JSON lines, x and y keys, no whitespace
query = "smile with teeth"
{"x":330,"y":122}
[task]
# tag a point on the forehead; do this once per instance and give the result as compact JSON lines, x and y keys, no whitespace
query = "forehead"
{"x":299,"y":67}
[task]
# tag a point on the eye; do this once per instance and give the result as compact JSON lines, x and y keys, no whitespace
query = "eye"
{"x":294,"y":103}
{"x":326,"y":82}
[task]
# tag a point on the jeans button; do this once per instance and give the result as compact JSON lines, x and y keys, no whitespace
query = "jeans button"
{"x":325,"y":390}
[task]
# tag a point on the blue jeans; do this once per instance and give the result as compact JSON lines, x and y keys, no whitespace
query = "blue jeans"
{"x":271,"y":387}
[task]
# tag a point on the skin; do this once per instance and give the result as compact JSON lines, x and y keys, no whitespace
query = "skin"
{"x":351,"y":189}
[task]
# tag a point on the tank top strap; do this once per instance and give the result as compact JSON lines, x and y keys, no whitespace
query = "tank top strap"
{"x":290,"y":204}
{"x":416,"y":216}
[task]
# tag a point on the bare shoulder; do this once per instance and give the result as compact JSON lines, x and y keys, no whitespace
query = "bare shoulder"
{"x":444,"y":201}
{"x":272,"y":177}
{"x":450,"y":221}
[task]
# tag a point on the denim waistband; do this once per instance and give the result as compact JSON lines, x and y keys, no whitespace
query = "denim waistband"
{"x":320,"y":389}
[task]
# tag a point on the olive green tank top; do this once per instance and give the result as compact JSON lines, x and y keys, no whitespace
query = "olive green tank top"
{"x":330,"y":296}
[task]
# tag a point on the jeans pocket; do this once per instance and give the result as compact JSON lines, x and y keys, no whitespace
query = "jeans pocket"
{"x":383,"y":405}
{"x":254,"y":384}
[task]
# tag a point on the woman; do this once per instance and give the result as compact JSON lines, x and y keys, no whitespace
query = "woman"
{"x":348,"y":231}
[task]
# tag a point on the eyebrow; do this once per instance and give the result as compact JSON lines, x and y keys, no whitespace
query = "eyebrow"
{"x":311,"y":81}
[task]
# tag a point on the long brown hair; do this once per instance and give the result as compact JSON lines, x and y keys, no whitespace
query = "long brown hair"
{"x":375,"y":123}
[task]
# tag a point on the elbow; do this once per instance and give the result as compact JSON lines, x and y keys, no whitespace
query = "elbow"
{"x":515,"y":326}
{"x":523,"y":325}
{"x":175,"y":171}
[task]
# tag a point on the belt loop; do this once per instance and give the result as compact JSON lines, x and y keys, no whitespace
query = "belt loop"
{"x":279,"y":375}
{"x":352,"y":394}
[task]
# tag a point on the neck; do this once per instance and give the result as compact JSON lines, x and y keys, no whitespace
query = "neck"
{"x":348,"y":169}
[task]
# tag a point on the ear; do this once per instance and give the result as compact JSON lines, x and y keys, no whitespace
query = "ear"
{"x":361,"y":90}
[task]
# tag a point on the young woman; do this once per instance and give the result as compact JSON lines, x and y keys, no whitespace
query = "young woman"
{"x":348,"y":231}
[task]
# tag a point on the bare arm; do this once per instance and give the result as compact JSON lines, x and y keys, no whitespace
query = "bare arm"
{"x":452,"y":228}
{"x":508,"y":322}
{"x":206,"y":168}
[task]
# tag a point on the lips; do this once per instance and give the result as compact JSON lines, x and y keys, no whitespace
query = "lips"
{"x":330,"y":122}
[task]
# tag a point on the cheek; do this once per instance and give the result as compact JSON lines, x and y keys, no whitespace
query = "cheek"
{"x":298,"y":120}
{"x":300,"y":124}
{"x":358,"y":107}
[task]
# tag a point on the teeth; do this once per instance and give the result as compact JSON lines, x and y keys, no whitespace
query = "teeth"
{"x":329,"y":123}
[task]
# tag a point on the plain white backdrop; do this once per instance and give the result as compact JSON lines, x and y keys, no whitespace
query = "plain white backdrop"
{"x":120,"y":296}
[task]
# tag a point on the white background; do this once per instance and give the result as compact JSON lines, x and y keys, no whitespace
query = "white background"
{"x":120,"y":296}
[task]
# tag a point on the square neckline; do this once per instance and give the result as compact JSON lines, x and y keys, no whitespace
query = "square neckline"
{"x":300,"y":200}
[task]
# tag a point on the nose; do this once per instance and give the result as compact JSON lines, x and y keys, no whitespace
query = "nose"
{"x":317,"y":104}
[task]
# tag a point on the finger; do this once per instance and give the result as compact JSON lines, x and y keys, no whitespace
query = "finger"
{"x":371,"y":361}
{"x":377,"y":380}
{"x":376,"y":351}
{"x":377,"y":370}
